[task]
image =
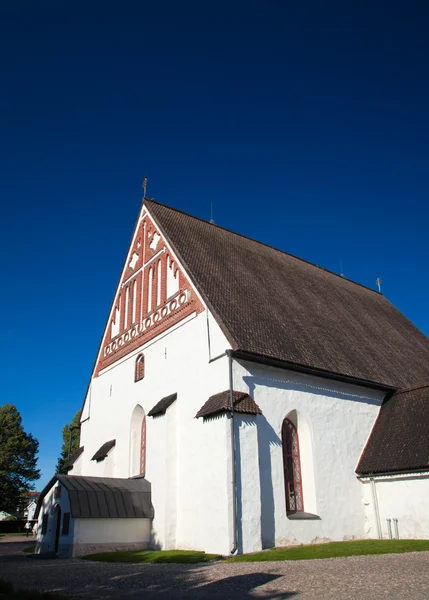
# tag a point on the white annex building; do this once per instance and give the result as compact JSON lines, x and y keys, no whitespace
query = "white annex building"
{"x":242,"y":398}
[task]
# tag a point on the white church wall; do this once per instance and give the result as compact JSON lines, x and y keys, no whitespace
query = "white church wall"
{"x":179,"y":447}
{"x":171,"y":481}
{"x":77,"y":466}
{"x":216,"y":339}
{"x":247,"y":485}
{"x":110,"y":535}
{"x":338,"y":418}
{"x":402,"y":497}
{"x":162,"y":463}
{"x":203,"y":496}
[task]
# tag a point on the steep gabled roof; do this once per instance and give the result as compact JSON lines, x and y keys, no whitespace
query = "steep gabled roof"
{"x":275,"y":305}
{"x":399,"y":440}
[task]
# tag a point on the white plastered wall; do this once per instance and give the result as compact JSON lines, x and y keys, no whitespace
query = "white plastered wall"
{"x":45,"y":543}
{"x":77,"y":466}
{"x":186,"y":458}
{"x":338,"y":418}
{"x":109,"y":535}
{"x":403,"y":497}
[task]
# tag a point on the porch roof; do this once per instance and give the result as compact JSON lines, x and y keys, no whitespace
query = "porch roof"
{"x":104,"y":497}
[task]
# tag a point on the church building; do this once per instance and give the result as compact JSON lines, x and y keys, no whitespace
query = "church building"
{"x":242,"y":398}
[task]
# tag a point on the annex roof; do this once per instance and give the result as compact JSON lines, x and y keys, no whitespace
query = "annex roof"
{"x":161,"y":406}
{"x":220,"y":403}
{"x":399,"y":441}
{"x":105,"y":497}
{"x":272,"y":304}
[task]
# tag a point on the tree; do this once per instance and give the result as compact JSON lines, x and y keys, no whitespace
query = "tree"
{"x":18,"y":459}
{"x":72,"y":429}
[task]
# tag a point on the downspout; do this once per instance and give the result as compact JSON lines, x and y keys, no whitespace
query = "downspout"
{"x":233,"y":477}
{"x":376,"y":509}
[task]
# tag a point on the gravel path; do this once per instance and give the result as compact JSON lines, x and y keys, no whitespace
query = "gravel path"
{"x":393,"y":576}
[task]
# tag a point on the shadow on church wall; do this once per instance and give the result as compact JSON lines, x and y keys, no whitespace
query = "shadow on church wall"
{"x":309,"y":385}
{"x":267,"y":437}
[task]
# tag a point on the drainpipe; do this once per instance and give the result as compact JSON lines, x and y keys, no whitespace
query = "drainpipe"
{"x":395,"y":524}
{"x":389,"y":528}
{"x":376,"y":509}
{"x":233,"y":478}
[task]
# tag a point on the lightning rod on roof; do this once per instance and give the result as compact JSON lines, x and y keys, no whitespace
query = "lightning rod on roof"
{"x":378,"y":282}
{"x":144,"y":185}
{"x":211,"y":214}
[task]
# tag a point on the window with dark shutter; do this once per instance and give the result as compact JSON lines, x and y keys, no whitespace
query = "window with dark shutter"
{"x":44,"y":524}
{"x":66,"y":524}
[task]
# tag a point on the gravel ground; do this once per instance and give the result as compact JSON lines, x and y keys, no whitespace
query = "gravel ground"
{"x":390,"y":576}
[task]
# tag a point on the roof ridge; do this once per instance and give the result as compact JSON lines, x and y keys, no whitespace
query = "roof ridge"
{"x":411,"y":388}
{"x":266,"y":245}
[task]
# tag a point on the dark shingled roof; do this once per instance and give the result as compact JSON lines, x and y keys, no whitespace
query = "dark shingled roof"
{"x":276,"y":305}
{"x":399,"y":440}
{"x":68,"y":465}
{"x":220,"y":403}
{"x":104,"y":497}
{"x":104,"y":450}
{"x":162,"y":405}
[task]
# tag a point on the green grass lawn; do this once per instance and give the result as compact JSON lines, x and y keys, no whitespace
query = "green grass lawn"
{"x":13,"y":534}
{"x":334,"y":549}
{"x":154,"y":556}
{"x":331,"y":550}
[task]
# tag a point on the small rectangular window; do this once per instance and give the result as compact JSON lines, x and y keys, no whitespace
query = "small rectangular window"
{"x":66,"y":524}
{"x":44,"y":524}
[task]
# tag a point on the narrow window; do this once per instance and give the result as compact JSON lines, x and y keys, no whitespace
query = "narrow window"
{"x":44,"y":524}
{"x":66,"y":524}
{"x":149,"y":292}
{"x":158,"y":277}
{"x":292,"y":468}
{"x":127,"y":300}
{"x":143,"y":448}
{"x":134,"y":301}
{"x":139,"y":368}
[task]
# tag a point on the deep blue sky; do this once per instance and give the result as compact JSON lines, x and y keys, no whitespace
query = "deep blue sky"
{"x":306,"y":124}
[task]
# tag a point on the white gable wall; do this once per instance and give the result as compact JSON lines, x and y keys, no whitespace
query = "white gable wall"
{"x":185,"y":460}
{"x":339,"y":418}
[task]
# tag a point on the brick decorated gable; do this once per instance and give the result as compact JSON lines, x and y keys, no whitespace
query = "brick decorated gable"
{"x":153,"y":295}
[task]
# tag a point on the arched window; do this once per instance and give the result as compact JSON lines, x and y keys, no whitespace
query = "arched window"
{"x":292,"y":468}
{"x":143,"y":447}
{"x":139,"y":368}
